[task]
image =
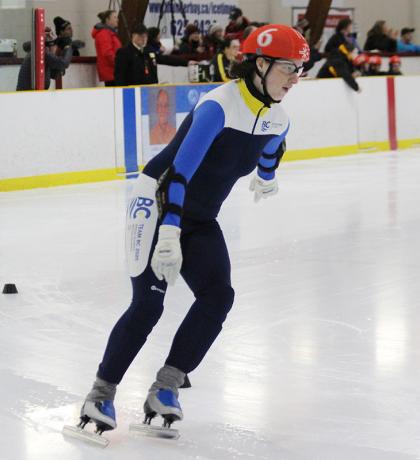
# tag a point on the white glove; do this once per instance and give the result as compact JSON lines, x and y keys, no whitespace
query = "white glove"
{"x":167,"y":256}
{"x":263,"y":188}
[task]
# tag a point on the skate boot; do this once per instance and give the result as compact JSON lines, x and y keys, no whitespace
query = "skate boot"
{"x":162,"y":400}
{"x":99,"y":409}
{"x":164,"y":403}
{"x":102,"y":413}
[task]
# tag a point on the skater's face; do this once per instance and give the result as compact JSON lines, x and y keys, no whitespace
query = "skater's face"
{"x":283,"y":75}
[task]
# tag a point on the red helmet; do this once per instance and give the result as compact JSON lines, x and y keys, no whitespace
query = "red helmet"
{"x":360,"y":59}
{"x":395,"y":60}
{"x":277,"y":41}
{"x":376,"y":60}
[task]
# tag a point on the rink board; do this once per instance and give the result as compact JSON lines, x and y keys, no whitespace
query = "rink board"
{"x":88,"y":135}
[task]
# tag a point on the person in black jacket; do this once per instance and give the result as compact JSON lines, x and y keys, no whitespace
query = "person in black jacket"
{"x":339,"y":64}
{"x":342,"y":32}
{"x":381,"y":38}
{"x":153,"y":40}
{"x":64,"y":32}
{"x":136,"y":63}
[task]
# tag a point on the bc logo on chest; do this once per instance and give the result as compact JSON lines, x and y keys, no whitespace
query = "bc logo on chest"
{"x":265,"y":126}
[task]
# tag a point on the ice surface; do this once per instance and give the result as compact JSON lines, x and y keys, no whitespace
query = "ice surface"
{"x":319,"y":358}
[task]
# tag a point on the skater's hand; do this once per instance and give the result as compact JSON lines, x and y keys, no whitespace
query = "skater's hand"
{"x":167,"y":257}
{"x":263,"y":188}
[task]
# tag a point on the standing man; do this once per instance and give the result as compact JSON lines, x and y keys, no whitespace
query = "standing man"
{"x":136,"y":63}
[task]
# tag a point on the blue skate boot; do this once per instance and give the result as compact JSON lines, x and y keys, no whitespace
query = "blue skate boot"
{"x":165,"y":403}
{"x":99,"y":409}
{"x":102,"y":413}
{"x":99,"y":406}
{"x":162,"y":400}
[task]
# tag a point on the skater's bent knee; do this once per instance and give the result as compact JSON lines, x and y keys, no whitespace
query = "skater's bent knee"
{"x":145,"y":308}
{"x":220,"y":300}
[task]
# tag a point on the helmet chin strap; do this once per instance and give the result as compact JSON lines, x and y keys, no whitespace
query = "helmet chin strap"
{"x":263,"y":80}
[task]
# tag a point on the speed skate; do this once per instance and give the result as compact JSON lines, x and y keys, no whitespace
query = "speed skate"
{"x":147,"y":429}
{"x":79,"y":432}
{"x":163,"y":402}
{"x":102,"y":414}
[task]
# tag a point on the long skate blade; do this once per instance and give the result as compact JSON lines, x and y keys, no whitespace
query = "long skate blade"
{"x":78,"y":433}
{"x":154,"y":431}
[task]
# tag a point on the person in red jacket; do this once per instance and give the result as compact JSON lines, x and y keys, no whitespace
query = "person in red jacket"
{"x":238,"y":23}
{"x":107,"y":43}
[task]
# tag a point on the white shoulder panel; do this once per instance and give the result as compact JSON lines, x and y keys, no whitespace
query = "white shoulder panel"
{"x":240,"y":117}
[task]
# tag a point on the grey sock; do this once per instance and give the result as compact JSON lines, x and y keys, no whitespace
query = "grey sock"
{"x":102,"y":391}
{"x":169,"y":378}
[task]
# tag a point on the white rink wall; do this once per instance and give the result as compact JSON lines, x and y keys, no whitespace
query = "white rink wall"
{"x":70,"y":136}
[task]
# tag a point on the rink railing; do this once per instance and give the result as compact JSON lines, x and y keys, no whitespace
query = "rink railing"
{"x":73,"y":136}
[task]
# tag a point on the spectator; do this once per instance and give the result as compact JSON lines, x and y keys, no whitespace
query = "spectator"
{"x":339,"y":64}
{"x":314,"y":56}
{"x":238,"y":23}
{"x":248,"y":31}
{"x":192,"y":44}
{"x":375,"y":63}
{"x":405,"y":45}
{"x":213,"y":41}
{"x":136,"y":63}
{"x":153,"y":40}
{"x":352,"y":38}
{"x":381,"y":38}
{"x":361,"y":64}
{"x":221,"y":63}
{"x":394,"y":66}
{"x":64,"y":32}
{"x":342,"y":34}
{"x":163,"y":131}
{"x":54,"y":65}
{"x":303,"y":27}
{"x":106,"y":43}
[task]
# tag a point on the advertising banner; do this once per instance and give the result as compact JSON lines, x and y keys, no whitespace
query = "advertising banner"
{"x":203,"y":13}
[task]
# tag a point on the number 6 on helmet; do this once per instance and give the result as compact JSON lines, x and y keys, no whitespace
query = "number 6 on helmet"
{"x":142,"y":214}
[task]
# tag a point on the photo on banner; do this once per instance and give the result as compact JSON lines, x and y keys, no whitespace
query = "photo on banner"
{"x":162,"y":115}
{"x":163,"y":109}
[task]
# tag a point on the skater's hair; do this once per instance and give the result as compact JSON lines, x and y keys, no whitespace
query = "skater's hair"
{"x":104,"y":15}
{"x":242,"y":69}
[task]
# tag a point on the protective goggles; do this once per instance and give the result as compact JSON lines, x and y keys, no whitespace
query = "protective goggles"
{"x":287,"y":67}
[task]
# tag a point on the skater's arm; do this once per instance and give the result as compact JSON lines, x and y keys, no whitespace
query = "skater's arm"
{"x":271,"y":156}
{"x":208,"y":120}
